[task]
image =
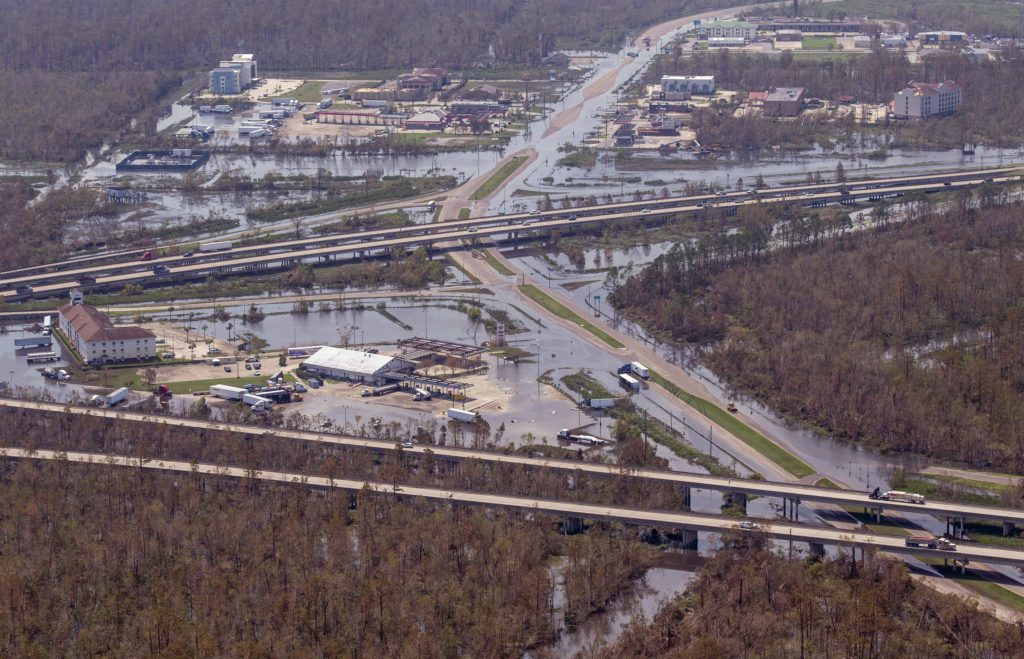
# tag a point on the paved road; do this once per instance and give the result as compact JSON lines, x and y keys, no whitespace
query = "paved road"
{"x":985,"y":477}
{"x":755,"y":487}
{"x":677,"y":520}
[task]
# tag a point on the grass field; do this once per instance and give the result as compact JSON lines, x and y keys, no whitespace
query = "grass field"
{"x":499,"y":177}
{"x":562,"y":311}
{"x":495,"y":263}
{"x":978,"y":583}
{"x":308,"y":92}
{"x":824,"y":57}
{"x":742,"y":431}
{"x":204,"y":385}
{"x":464,"y":213}
{"x":818,"y":43}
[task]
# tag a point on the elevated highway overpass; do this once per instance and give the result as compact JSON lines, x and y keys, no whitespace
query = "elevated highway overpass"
{"x":250,"y":258}
{"x":792,"y":493}
{"x":687,"y":523}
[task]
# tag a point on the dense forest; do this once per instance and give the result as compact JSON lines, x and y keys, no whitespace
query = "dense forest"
{"x":749,"y":601}
{"x":909,"y":337}
{"x":115,"y":59}
{"x":990,"y":113}
{"x":103,"y":561}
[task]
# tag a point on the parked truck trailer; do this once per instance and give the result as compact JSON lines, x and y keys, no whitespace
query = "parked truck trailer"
{"x":227,"y":392}
{"x":215,"y":247}
{"x":462,"y":415}
{"x":116,"y":396}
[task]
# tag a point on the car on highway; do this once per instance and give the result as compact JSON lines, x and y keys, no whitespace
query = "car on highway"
{"x":407,"y":444}
{"x":749,"y":526}
{"x":472,"y":229}
{"x":646,"y":210}
{"x":187,"y":254}
{"x":534,"y":212}
{"x":24,"y":289}
{"x":160,"y":269}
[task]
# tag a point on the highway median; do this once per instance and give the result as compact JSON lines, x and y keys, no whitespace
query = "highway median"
{"x":769,"y":449}
{"x":564,"y":312}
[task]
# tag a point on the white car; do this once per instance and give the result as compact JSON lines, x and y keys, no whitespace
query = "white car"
{"x":748,"y":526}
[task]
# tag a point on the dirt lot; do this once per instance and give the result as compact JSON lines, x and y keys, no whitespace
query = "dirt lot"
{"x":174,"y":334}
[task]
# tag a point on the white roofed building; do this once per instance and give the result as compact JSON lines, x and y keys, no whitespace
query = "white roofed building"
{"x":355,"y":365}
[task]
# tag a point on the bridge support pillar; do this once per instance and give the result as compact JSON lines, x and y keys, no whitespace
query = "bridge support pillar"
{"x":737,"y":500}
{"x":1008,"y":528}
{"x":353,"y":500}
{"x":791,"y":508}
{"x":816,"y":549}
{"x":689,"y":539}
{"x":687,"y":498}
{"x":572,"y":525}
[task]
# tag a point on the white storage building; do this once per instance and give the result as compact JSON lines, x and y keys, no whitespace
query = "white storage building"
{"x":355,"y":365}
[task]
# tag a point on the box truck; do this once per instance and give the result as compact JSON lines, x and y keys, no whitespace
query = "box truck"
{"x":462,"y":415}
{"x":598,"y":403}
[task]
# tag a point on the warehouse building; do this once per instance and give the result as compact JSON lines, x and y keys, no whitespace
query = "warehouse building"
{"x":355,"y":365}
{"x":98,"y":341}
{"x":942,"y":37}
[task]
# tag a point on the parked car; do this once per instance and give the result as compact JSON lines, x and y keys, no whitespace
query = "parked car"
{"x":248,"y":367}
{"x":299,"y":388}
{"x":227,"y":369}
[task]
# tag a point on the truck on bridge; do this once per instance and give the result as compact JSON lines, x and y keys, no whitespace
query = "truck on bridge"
{"x":897,"y":495}
{"x":929,"y":541}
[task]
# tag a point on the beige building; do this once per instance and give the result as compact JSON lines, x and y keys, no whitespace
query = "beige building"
{"x":98,"y":340}
{"x":920,"y":100}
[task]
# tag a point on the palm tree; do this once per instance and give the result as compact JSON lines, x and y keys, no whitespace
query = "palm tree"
{"x":230,"y":326}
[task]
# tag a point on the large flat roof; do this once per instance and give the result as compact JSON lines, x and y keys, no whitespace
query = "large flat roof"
{"x":353,"y":361}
